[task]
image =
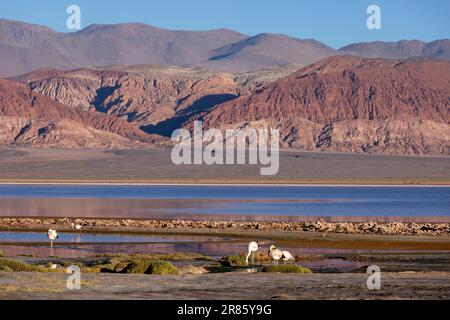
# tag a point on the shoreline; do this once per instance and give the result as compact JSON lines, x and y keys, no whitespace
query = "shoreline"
{"x":176,"y":183}
{"x":292,"y":231}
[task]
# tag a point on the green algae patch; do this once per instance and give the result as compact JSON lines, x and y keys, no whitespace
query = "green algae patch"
{"x":162,"y":268}
{"x":17,"y":266}
{"x":150,"y":267}
{"x":291,"y":268}
{"x":5,"y":269}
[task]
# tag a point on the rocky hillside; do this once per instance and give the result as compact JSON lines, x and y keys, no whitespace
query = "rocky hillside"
{"x":342,"y":103}
{"x":29,"y":118}
{"x":352,"y":104}
{"x":439,"y":49}
{"x":158,"y":99}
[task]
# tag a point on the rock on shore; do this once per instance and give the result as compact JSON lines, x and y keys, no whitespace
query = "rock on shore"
{"x":322,"y":226}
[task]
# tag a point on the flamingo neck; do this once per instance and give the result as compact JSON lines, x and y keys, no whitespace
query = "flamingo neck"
{"x":246,"y":259}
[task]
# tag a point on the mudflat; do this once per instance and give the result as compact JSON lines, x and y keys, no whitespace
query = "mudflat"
{"x":227,"y":286}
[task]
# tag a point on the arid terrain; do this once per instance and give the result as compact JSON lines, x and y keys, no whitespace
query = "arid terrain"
{"x":351,"y":104}
{"x":130,"y":85}
{"x":154,"y":165}
{"x":228,"y":286}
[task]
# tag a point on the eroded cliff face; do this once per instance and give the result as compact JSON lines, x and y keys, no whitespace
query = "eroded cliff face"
{"x":351,"y":104}
{"x":142,"y":98}
{"x":29,"y":118}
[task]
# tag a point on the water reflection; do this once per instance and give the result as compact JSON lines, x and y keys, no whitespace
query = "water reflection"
{"x":289,"y":203}
{"x":214,"y":249}
{"x":41,"y":237}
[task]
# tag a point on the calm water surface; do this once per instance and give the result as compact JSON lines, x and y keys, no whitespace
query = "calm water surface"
{"x":197,"y":202}
{"x":73,"y":245}
{"x":238,"y":202}
{"x":41,"y":237}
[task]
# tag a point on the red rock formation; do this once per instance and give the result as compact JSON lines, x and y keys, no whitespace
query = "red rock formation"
{"x":352,"y":104}
{"x":145,"y":98}
{"x":28,"y":117}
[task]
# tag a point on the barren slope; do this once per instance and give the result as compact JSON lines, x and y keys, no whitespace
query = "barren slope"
{"x":352,"y":104}
{"x":29,"y":118}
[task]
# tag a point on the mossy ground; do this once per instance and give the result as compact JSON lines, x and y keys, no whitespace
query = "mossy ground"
{"x":6,"y":269}
{"x":140,"y":264}
{"x":156,"y":264}
{"x":238,"y":260}
{"x":150,"y":267}
{"x":286,"y":268}
{"x":17,"y":266}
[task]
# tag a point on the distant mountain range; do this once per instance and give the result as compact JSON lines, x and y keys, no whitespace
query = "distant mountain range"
{"x":131,"y":85}
{"x":26,"y":47}
{"x":439,"y":49}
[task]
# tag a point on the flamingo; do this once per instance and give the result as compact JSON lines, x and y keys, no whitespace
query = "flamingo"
{"x":252,"y":248}
{"x":275,"y":254}
{"x":52,"y":235}
{"x":76,"y":227}
{"x":287,"y":256}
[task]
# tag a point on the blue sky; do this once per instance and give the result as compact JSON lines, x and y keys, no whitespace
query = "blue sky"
{"x":334,"y":22}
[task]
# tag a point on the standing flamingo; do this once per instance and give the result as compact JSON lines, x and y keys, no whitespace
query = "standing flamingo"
{"x":52,"y":235}
{"x":252,"y":248}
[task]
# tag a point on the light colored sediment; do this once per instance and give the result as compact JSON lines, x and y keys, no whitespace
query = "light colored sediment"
{"x":227,"y":286}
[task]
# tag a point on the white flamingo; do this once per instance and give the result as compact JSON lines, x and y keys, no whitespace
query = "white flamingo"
{"x":287,"y":256}
{"x":52,"y":235}
{"x":275,"y":254}
{"x":252,"y":248}
{"x":76,"y":227}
